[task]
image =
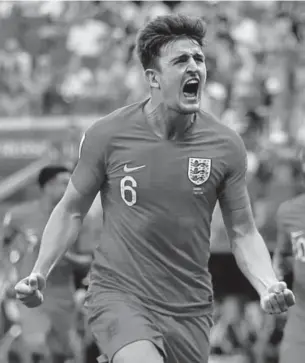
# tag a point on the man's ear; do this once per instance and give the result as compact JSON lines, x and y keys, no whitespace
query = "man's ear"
{"x":152,"y":77}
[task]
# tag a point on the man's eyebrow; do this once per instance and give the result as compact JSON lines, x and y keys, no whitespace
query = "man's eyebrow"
{"x":186,"y":56}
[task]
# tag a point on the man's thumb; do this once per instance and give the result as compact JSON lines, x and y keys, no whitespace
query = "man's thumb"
{"x":278,"y":287}
{"x":33,"y":282}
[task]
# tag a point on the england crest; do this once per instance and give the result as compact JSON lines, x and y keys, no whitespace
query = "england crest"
{"x":199,"y":170}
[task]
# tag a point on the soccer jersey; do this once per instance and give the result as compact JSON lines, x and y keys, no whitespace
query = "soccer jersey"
{"x":158,"y":197}
{"x":291,"y":221}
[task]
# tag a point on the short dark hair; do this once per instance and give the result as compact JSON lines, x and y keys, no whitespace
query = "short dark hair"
{"x":163,"y":30}
{"x":50,"y":172}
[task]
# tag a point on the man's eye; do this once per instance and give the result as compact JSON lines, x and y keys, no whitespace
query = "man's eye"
{"x":199,"y":59}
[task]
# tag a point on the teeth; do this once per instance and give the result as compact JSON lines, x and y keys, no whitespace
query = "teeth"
{"x":192,"y":81}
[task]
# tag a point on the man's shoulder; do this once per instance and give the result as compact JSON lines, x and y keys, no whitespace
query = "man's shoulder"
{"x":99,"y":136}
{"x":109,"y":124}
{"x":222,"y":129}
{"x":223,"y":132}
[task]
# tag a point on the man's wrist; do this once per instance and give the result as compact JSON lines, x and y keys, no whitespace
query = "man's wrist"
{"x":39,"y":271}
{"x":267,"y":285}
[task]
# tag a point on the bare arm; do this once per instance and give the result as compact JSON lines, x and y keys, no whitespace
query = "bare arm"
{"x":248,"y":247}
{"x":62,"y":228}
{"x":65,"y":223}
{"x":66,"y":220}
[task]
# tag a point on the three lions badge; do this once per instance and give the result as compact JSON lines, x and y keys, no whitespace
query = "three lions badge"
{"x":199,"y":170}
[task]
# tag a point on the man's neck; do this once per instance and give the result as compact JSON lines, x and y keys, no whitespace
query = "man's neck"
{"x":167,"y":123}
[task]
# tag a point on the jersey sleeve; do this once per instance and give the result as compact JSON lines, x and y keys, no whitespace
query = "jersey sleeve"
{"x":90,"y":171}
{"x":233,"y":191}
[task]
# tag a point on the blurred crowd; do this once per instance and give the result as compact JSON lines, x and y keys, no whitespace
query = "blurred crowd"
{"x":243,"y":334}
{"x":77,"y":58}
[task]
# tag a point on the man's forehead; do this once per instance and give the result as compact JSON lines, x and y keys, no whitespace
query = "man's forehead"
{"x":180,"y":47}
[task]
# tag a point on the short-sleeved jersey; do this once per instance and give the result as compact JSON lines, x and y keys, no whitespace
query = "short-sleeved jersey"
{"x":26,"y":223}
{"x":158,"y":197}
{"x":291,"y":222}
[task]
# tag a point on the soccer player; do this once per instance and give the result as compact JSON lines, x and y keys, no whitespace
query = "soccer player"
{"x":54,"y":322}
{"x":160,"y":165}
{"x":289,"y":257}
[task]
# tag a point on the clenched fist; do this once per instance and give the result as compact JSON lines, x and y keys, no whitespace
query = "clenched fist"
{"x":29,"y":290}
{"x":278,"y":299}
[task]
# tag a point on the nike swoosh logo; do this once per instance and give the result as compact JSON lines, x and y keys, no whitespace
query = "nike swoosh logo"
{"x":129,"y":170}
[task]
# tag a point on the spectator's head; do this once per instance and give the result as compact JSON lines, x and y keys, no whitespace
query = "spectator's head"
{"x":53,"y":181}
{"x":170,"y":50}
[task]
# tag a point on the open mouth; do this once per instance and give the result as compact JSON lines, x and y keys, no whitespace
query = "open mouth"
{"x":190,"y":88}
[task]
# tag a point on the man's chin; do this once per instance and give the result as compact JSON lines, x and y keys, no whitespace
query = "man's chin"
{"x":189,"y":107}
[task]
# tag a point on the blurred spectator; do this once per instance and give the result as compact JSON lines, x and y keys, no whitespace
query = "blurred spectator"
{"x":268,"y":341}
{"x":13,"y":59}
{"x":234,"y":331}
{"x":15,"y":82}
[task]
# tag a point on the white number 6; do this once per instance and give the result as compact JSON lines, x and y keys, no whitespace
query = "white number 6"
{"x":129,"y":198}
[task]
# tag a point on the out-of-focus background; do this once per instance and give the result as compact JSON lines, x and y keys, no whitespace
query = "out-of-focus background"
{"x":63,"y":65}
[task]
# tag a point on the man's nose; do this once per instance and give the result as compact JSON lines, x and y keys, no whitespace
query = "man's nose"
{"x":192,"y":66}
